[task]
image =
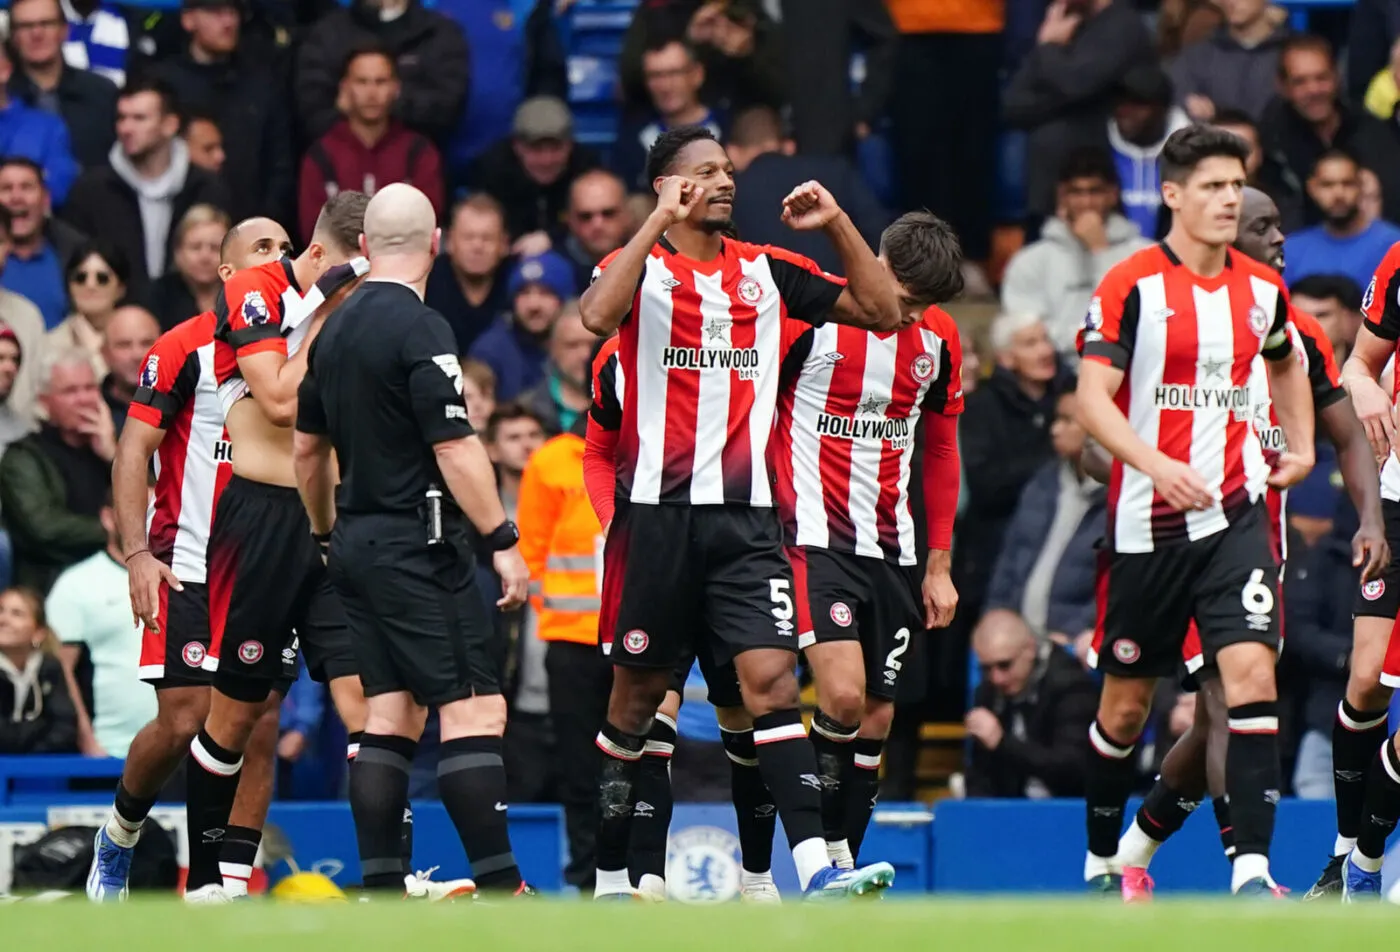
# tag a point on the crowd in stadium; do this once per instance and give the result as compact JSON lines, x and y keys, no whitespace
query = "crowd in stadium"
{"x":131,"y":139}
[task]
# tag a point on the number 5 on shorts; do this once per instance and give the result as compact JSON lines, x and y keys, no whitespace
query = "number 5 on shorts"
{"x":1258,"y":601}
{"x":782,"y":601}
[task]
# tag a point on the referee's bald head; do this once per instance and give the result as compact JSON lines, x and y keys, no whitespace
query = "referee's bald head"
{"x":400,"y":221}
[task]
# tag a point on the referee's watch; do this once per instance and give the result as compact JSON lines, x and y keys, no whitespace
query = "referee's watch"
{"x":503,"y":537}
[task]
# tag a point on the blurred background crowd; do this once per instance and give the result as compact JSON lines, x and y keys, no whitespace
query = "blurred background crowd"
{"x":131,"y":137}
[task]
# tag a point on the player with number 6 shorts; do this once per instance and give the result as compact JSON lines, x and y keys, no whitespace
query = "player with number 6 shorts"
{"x":852,"y":405}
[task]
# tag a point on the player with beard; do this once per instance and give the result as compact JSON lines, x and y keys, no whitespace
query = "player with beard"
{"x":1196,"y":763}
{"x":694,"y":557}
{"x":175,"y":420}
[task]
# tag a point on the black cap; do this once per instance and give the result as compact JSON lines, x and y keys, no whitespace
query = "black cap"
{"x":211,"y":5}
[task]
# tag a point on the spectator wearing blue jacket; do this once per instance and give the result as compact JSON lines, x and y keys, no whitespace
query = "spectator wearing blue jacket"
{"x":1143,"y":117}
{"x":514,"y":347}
{"x":674,"y":75}
{"x":35,"y":134}
{"x":1346,"y":242}
{"x":1045,"y":571}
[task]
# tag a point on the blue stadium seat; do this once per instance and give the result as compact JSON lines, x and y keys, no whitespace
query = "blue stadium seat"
{"x":7,"y":560}
{"x":592,"y":34}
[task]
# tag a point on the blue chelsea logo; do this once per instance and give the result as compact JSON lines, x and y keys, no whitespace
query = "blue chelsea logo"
{"x":149,"y":373}
{"x":702,"y":865}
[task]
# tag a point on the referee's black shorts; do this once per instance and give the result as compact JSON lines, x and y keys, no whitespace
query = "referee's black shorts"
{"x":417,"y":619}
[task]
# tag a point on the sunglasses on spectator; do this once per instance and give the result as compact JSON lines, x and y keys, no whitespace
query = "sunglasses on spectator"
{"x":102,"y":278}
{"x":1003,"y":666}
{"x":607,"y":214}
{"x":27,"y":25}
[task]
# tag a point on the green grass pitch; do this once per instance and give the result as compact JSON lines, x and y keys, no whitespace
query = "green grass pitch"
{"x":956,"y":925}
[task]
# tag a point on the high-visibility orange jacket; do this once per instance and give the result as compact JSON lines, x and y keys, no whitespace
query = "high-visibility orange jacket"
{"x":559,"y":539}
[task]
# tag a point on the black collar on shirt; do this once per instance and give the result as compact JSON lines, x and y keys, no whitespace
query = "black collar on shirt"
{"x":291,"y":275}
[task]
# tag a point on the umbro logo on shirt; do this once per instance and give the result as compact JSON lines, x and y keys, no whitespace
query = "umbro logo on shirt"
{"x":669,"y":283}
{"x":831,"y":358}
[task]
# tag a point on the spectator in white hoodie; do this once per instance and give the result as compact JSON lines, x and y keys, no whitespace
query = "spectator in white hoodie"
{"x":1055,"y":276}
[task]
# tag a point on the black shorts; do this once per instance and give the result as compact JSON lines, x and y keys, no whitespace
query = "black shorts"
{"x":844,"y":597}
{"x":676,"y":578}
{"x":721,"y":680}
{"x":417,"y":619}
{"x":1227,"y":583}
{"x":1380,"y":598}
{"x":268,"y":592}
{"x":174,"y":656}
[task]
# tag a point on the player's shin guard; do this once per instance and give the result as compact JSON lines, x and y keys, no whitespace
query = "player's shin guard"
{"x":236,"y":858}
{"x":789,"y":768}
{"x":651,"y":816}
{"x":472,"y":782}
{"x":1356,"y":736}
{"x":1162,"y":814}
{"x":210,"y":787}
{"x":834,"y":745}
{"x":1252,"y":781}
{"x":754,"y":809}
{"x":1221,"y":806}
{"x":863,"y":791}
{"x":1381,"y":808}
{"x":622,"y":754}
{"x":378,"y":793}
{"x":1108,"y":781}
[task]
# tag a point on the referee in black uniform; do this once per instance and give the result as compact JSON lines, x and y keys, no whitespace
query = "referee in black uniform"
{"x":384,"y":390}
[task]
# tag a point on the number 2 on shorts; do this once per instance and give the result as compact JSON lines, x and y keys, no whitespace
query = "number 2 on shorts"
{"x":892,"y":659}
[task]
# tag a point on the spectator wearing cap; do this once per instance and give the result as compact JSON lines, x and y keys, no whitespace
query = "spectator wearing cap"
{"x":673,"y":75}
{"x":515,"y":346}
{"x":84,"y":100}
{"x":1345,"y":242}
{"x":429,"y":51}
{"x":531,"y":172}
{"x":40,"y":244}
{"x":1142,"y":118}
{"x":23,"y":320}
{"x":241,"y":82}
{"x":1310,"y":118}
{"x":1236,"y":66}
{"x":368,"y":147}
{"x":1056,"y":275}
{"x":1064,"y":89}
{"x":35,"y":134}
{"x":767,"y":168}
{"x":13,"y":425}
{"x":467,"y":285}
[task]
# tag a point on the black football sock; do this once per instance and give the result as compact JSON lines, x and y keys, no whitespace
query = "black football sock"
{"x":754,"y":809}
{"x":1162,"y":814}
{"x":1252,"y":780}
{"x":1111,"y":771}
{"x":378,"y":793}
{"x":789,"y":768}
{"x":128,"y":815}
{"x":651,"y":815}
{"x":833,"y":743}
{"x":863,"y":791}
{"x":1380,"y":810}
{"x":406,"y":837}
{"x":236,"y":857}
{"x":210,"y":786}
{"x":472,"y":781}
{"x":1356,"y":736}
{"x":1221,"y":806}
{"x":622,"y":754}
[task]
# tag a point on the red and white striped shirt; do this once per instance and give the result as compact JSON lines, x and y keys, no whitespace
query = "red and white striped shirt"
{"x":1381,"y":309}
{"x":1188,"y":346}
{"x":698,"y":358}
{"x":849,"y":405}
{"x":177,"y":393}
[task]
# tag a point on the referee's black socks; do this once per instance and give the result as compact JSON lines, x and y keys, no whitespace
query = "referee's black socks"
{"x":210,"y":787}
{"x":378,"y":794}
{"x":472,"y":783}
{"x":651,"y":816}
{"x":352,"y":748}
{"x":622,"y":754}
